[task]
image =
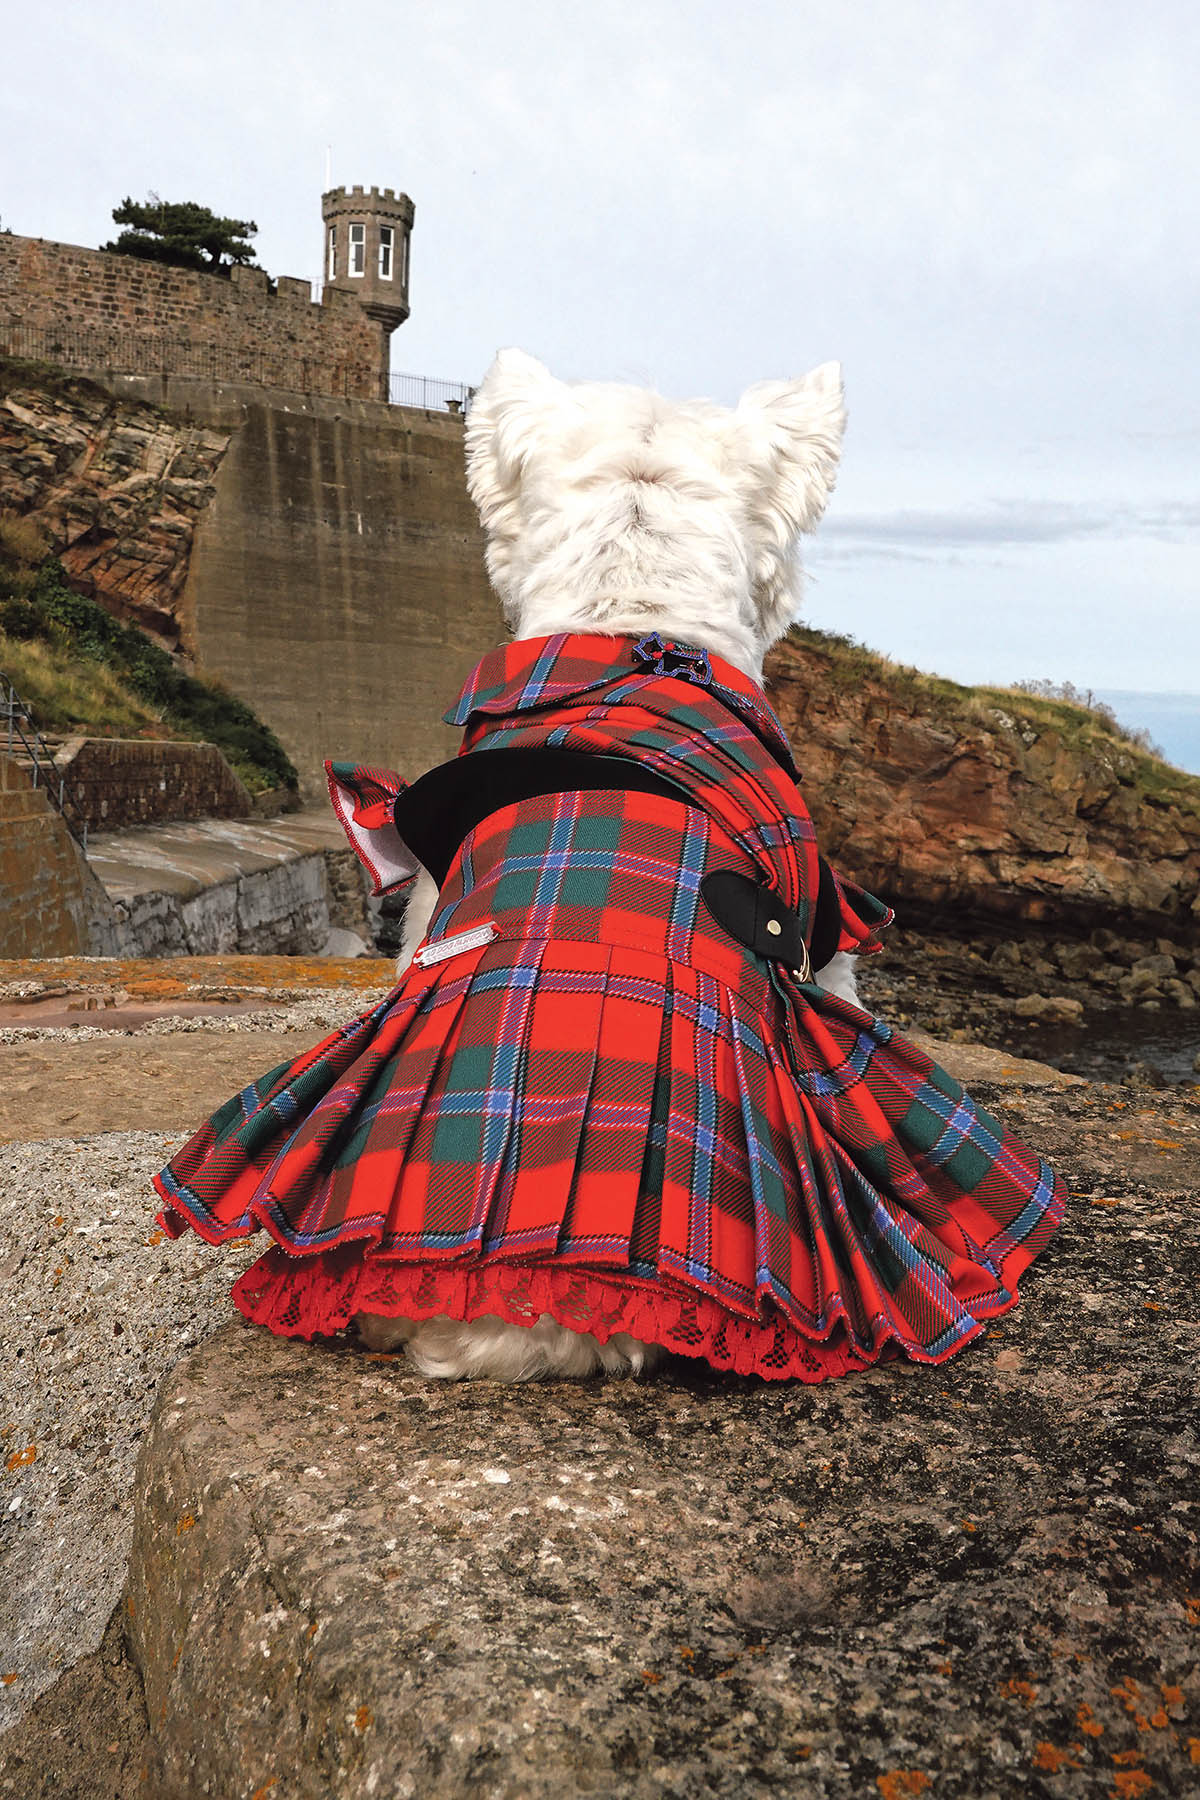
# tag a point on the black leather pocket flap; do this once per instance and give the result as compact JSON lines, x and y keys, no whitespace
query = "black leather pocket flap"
{"x":754,"y":917}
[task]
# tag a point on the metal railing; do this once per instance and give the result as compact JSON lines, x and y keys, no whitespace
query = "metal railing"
{"x":30,"y":749}
{"x":120,"y":352}
{"x":429,"y":394}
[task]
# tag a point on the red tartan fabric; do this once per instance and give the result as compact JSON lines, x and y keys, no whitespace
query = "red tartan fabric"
{"x":611,"y":1112}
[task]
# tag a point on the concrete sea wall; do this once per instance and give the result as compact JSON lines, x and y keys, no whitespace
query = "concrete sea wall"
{"x":337,"y":580}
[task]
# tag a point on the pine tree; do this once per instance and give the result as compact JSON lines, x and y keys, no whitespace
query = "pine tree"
{"x":181,"y":233}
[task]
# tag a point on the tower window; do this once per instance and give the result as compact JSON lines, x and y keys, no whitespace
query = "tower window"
{"x":385,"y":252}
{"x":404,"y":243}
{"x":358,"y":249}
{"x":331,"y":271}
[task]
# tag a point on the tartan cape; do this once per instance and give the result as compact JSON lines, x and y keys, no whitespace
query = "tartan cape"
{"x":585,"y":1099}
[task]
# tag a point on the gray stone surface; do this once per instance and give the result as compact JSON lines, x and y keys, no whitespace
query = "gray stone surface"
{"x":221,"y":886}
{"x":976,"y":1580}
{"x":95,"y":1305}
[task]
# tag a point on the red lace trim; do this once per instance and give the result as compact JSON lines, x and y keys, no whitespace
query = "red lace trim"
{"x":320,"y":1295}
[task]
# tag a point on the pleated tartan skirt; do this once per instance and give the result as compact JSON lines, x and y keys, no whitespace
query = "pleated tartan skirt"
{"x":599,"y":1107}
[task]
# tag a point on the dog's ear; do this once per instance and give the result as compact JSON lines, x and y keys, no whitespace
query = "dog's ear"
{"x":512,"y":411}
{"x":788,"y":438}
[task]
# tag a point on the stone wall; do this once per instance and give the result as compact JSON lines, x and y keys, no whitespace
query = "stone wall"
{"x":92,"y":309}
{"x":282,"y":910}
{"x":337,"y":581}
{"x":50,"y":902}
{"x":133,"y":781}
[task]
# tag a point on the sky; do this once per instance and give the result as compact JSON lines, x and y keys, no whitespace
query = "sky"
{"x":989,"y":214}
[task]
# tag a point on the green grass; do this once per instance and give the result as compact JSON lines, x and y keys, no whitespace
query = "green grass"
{"x":1085,"y":731}
{"x":83,"y":673}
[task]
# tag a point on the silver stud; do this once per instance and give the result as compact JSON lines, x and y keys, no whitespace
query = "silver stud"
{"x":774,"y":927}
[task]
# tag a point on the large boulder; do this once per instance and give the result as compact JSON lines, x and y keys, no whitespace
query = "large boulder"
{"x":971,"y":1580}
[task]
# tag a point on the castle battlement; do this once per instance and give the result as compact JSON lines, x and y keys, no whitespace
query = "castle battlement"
{"x":101,"y":311}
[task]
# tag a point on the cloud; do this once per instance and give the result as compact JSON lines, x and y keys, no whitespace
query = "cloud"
{"x":1007,"y":524}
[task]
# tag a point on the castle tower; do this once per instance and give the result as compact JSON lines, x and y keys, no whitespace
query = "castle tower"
{"x":367,"y":235}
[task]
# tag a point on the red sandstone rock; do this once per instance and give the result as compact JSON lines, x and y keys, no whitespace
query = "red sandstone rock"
{"x":930,"y":796}
{"x":117,"y":487}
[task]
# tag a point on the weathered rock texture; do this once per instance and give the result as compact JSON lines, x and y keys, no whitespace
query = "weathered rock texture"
{"x":929,"y":795}
{"x":971,"y":1581}
{"x":115,"y":485}
{"x":96,"y":310}
{"x":51,"y":904}
{"x":115,"y":782}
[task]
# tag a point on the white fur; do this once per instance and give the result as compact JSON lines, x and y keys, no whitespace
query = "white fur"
{"x":610,"y":509}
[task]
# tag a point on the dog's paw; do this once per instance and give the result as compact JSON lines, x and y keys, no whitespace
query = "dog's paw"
{"x":382,"y":1334}
{"x":490,"y":1349}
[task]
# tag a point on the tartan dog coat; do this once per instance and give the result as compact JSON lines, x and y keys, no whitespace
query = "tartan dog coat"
{"x":586,"y":1098}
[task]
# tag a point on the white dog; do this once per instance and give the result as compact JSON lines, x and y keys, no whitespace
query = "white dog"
{"x":608,"y":509}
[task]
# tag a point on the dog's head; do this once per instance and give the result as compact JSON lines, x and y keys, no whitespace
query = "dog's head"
{"x":610,"y":509}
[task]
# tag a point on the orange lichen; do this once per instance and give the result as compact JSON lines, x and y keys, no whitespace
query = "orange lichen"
{"x":1051,"y":1759}
{"x":1020,"y":1690}
{"x":1088,"y":1722}
{"x":1129,"y":1783}
{"x":650,"y":1675}
{"x":186,"y":973}
{"x":1128,"y":1693}
{"x":21,"y":1459}
{"x":363,"y":1717}
{"x":899,"y":1782}
{"x":184,"y":1524}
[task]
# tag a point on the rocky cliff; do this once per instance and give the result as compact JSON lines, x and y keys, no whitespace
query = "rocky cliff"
{"x":984,"y":804}
{"x":116,"y":486}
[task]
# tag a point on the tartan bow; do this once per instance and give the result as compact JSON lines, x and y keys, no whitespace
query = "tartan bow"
{"x":681,"y":660}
